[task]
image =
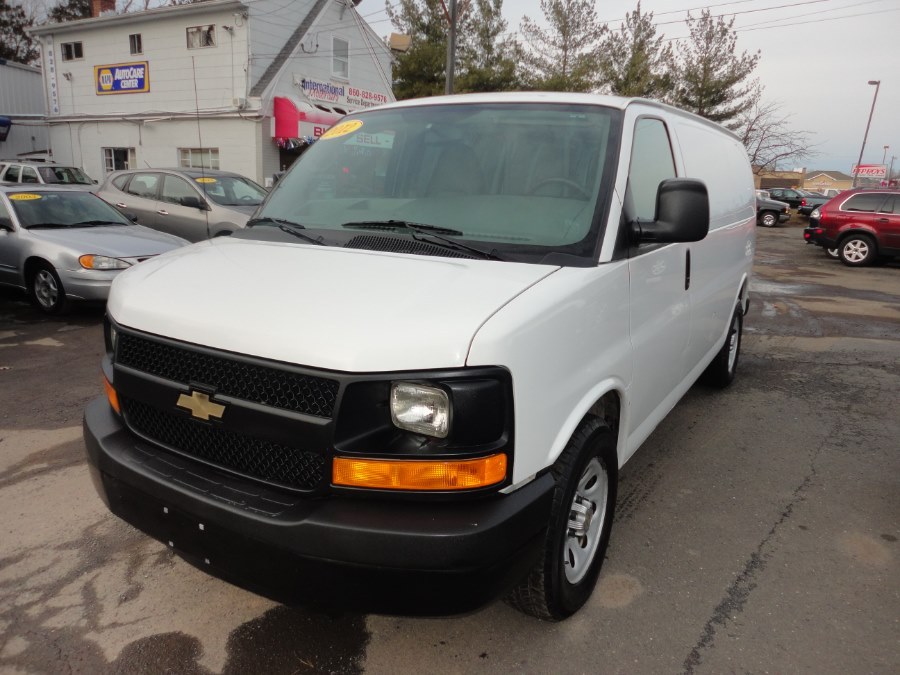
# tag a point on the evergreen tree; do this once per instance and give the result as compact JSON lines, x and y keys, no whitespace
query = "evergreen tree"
{"x":420,"y":70}
{"x":15,"y":44}
{"x":486,"y":61}
{"x":635,"y":61}
{"x":712,"y":80}
{"x":563,"y":56}
{"x":70,"y":10}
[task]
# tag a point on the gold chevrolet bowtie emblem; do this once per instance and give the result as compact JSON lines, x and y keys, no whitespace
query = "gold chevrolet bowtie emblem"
{"x":200,"y":405}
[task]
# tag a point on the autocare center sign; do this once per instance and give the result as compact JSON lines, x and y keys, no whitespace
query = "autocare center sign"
{"x":122,"y":78}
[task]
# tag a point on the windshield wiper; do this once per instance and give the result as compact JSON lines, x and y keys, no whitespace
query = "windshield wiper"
{"x":400,"y":225}
{"x":92,"y":223}
{"x":286,"y":226}
{"x":433,"y":232}
{"x":36,"y":225}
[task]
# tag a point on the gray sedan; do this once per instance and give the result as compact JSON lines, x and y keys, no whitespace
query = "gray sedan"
{"x":60,"y":243}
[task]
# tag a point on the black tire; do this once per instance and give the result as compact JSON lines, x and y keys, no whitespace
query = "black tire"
{"x":554,"y":589}
{"x":858,"y":250}
{"x":46,"y":290}
{"x":768,"y":219}
{"x":720,"y":372}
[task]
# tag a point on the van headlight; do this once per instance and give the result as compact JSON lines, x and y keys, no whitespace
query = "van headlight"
{"x":420,"y":408}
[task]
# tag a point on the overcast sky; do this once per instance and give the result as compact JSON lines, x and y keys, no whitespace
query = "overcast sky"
{"x":817,"y":57}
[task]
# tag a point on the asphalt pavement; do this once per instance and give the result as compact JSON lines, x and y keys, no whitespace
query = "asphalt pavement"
{"x":757,"y":528}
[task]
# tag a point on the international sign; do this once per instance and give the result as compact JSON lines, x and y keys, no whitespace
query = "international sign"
{"x":122,"y":78}
{"x":869,"y":170}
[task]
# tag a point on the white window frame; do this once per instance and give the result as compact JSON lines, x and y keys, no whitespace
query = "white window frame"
{"x":206,"y":29}
{"x":136,"y":43}
{"x":72,"y":46}
{"x":193,"y":158}
{"x":109,"y":162}
{"x":340,"y":66}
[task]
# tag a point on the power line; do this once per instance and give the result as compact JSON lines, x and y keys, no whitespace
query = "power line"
{"x":821,"y":11}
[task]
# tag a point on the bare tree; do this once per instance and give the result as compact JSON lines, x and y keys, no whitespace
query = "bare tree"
{"x":767,"y":134}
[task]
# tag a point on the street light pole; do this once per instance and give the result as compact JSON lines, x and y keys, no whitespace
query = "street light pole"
{"x":884,"y":156}
{"x":877,"y":84}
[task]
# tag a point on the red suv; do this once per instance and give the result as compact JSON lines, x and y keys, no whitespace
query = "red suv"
{"x":862,"y":225}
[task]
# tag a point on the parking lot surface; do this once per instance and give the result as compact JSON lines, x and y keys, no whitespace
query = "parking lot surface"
{"x":756,"y":529}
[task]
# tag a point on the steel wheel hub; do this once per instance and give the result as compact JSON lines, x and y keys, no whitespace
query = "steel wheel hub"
{"x":587,"y":513}
{"x":856,"y":250}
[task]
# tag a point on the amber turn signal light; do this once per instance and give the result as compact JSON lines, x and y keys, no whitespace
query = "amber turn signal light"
{"x":419,"y":474}
{"x":111,"y":395}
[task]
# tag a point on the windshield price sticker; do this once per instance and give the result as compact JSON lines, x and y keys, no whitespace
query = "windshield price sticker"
{"x":24,"y":197}
{"x":206,"y":180}
{"x":342,"y":129}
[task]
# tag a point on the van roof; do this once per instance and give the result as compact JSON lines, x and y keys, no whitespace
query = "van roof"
{"x":618,"y":102}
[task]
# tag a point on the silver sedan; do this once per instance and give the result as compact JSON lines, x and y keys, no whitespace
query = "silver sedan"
{"x":59,"y":244}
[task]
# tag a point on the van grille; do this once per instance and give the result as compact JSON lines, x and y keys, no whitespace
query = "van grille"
{"x":252,"y":457}
{"x":229,"y":376}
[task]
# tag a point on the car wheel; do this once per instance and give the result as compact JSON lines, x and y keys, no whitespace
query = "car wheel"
{"x":858,"y":250}
{"x":721,"y":371}
{"x":46,"y":290}
{"x":577,"y":535}
{"x":768,"y":219}
{"x":832,"y":253}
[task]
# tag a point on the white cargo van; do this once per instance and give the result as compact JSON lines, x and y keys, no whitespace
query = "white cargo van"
{"x":410,"y":384}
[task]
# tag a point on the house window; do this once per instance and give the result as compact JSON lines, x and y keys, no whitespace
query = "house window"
{"x":201,"y":36}
{"x":71,"y":51}
{"x":116,"y":159}
{"x":134,"y":43}
{"x":198,"y":158}
{"x":340,"y":60}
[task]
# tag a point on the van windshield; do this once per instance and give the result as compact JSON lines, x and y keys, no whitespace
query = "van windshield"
{"x":524,"y":180}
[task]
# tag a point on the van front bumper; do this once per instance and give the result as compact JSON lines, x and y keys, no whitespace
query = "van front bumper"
{"x":396,"y":556}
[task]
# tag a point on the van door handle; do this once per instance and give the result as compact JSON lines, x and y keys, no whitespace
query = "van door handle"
{"x":121,"y":205}
{"x":163,"y":212}
{"x":687,"y":269}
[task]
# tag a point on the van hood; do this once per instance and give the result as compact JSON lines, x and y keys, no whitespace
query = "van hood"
{"x":333,"y":308}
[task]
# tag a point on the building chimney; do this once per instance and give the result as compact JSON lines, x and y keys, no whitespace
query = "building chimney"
{"x":99,"y":7}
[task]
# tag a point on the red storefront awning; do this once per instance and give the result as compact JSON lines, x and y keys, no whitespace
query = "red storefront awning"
{"x":295,"y":119}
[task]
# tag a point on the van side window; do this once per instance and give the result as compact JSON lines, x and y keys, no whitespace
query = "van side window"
{"x":651,"y":163}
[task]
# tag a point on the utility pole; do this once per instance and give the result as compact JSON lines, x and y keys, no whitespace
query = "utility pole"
{"x":451,"y":47}
{"x":877,"y":84}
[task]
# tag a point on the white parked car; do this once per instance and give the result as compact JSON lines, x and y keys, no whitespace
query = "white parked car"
{"x":411,"y":381}
{"x":59,"y":244}
{"x":45,"y":173}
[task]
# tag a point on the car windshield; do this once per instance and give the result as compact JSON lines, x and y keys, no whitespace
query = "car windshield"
{"x":526,"y":179}
{"x":64,"y":174}
{"x":231,"y":190}
{"x":63,"y":209}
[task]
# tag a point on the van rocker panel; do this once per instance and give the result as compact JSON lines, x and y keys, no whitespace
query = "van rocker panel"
{"x":374,"y":554}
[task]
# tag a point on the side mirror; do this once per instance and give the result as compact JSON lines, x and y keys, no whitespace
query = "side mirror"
{"x":682,"y":213}
{"x":131,"y":216}
{"x":194,"y":203}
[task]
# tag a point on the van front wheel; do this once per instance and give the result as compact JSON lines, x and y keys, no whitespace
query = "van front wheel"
{"x":580,"y":522}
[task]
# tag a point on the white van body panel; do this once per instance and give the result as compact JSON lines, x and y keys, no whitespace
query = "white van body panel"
{"x":574,"y":322}
{"x":332,"y":308}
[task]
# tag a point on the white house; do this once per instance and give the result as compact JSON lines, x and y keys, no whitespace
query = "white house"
{"x":23,"y":132}
{"x":240,"y":85}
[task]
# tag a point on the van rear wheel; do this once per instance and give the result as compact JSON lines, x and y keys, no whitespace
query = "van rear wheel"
{"x":578,"y":532}
{"x":720,"y":372}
